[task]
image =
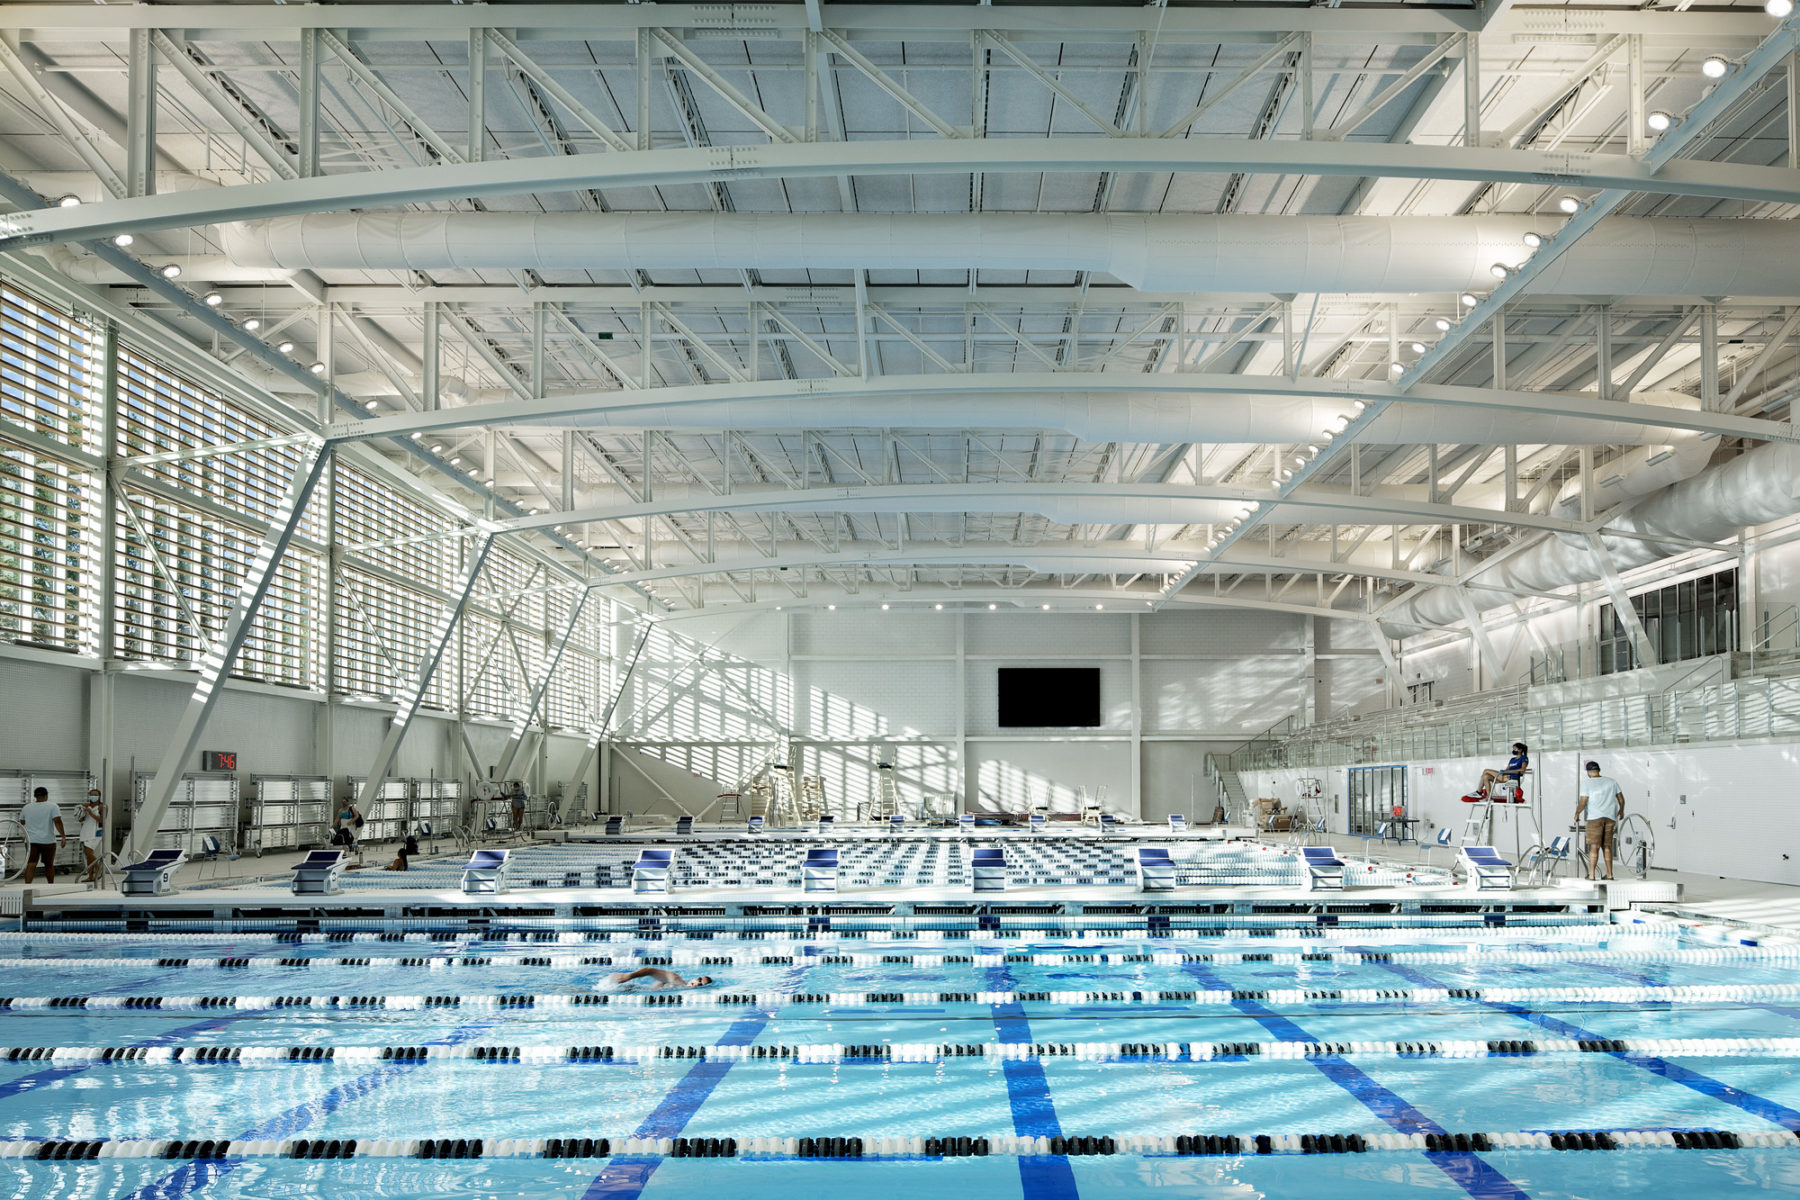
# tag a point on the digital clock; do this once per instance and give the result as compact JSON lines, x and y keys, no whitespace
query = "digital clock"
{"x":218,"y":760}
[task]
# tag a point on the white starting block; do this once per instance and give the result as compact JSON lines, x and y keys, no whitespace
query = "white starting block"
{"x":155,"y":876}
{"x":485,"y":873}
{"x":317,"y":873}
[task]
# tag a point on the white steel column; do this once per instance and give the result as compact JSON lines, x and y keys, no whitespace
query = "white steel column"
{"x":410,"y":697}
{"x":216,"y":663}
{"x":529,"y":711}
{"x":1622,"y":602}
{"x":140,"y":115}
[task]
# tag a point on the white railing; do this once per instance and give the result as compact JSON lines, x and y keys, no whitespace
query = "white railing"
{"x":1718,"y":710}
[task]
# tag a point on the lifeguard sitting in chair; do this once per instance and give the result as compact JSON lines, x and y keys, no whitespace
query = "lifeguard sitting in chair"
{"x":1506,"y":784}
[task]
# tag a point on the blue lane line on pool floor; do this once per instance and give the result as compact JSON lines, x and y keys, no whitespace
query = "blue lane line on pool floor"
{"x":626,"y":1176}
{"x":49,"y":1075}
{"x":1768,"y":1110}
{"x":1042,"y":1177}
{"x":1467,"y":1169}
{"x":190,"y":1177}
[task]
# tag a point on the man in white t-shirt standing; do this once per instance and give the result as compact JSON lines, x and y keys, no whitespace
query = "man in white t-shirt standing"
{"x":43,"y":834}
{"x":1603,"y":804}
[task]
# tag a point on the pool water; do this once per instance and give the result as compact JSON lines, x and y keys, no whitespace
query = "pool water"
{"x":1275,"y":1042}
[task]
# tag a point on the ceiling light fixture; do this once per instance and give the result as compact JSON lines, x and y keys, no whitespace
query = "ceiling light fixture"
{"x":1442,"y":325}
{"x":1569,"y":204}
{"x":1778,"y":8}
{"x":1358,"y":405}
{"x":1659,"y":121}
{"x":1396,"y":368}
{"x":939,"y":607}
{"x":371,"y":405}
{"x":1417,"y":347}
{"x":1099,"y":607}
{"x":1045,"y":607}
{"x":317,"y":368}
{"x":122,"y":240}
{"x":885,"y":607}
{"x":1499,"y":270}
{"x":831,"y":608}
{"x":169,"y":270}
{"x":252,"y":324}
{"x":1533,"y":239}
{"x":213,"y":299}
{"x":1714,"y":67}
{"x":285,"y":347}
{"x":438,"y":448}
{"x":69,"y":201}
{"x":456,"y":462}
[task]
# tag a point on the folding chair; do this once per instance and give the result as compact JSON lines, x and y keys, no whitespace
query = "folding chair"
{"x":1445,"y":840}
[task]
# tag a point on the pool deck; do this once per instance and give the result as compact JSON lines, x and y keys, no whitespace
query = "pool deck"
{"x":236,"y":887}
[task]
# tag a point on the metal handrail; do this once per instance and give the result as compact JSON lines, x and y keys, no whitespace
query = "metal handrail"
{"x":1723,"y":709}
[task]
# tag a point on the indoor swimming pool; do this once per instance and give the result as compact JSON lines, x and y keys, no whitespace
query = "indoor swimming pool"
{"x":1566,"y":1058}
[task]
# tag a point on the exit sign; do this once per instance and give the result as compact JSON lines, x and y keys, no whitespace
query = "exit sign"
{"x":218,"y":760}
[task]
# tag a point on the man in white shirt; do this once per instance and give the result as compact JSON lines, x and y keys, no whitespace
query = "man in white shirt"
{"x":44,"y":834}
{"x":1603,"y":804}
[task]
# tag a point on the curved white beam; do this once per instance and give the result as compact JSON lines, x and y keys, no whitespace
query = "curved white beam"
{"x":886,"y":402}
{"x":663,"y":168}
{"x":1107,"y":558}
{"x":1089,"y":598}
{"x":1065,"y":503}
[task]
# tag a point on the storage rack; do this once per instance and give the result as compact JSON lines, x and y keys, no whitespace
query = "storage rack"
{"x":68,"y":789}
{"x":287,"y":812}
{"x":205,"y":805}
{"x":439,"y":801}
{"x":387,"y":818}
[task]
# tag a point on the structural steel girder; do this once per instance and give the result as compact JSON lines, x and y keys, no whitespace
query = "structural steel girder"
{"x":1773,"y":50}
{"x":561,"y":22}
{"x":1049,"y":557}
{"x":407,"y":706}
{"x":452,"y":179}
{"x":216,"y":663}
{"x":864,"y":398}
{"x":1021,"y":497}
{"x":528,"y":711}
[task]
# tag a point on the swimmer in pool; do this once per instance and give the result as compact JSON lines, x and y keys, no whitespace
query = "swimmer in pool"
{"x":660,"y":978}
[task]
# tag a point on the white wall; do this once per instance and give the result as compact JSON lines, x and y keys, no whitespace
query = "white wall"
{"x":1717,"y":809}
{"x":50,"y":719}
{"x":857,"y":685}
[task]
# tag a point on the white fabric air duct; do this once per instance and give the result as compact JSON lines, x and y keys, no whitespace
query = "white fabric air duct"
{"x":1234,"y":253}
{"x":1753,"y":489}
